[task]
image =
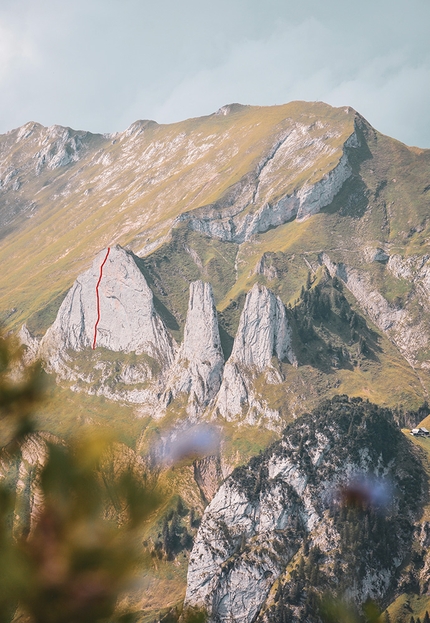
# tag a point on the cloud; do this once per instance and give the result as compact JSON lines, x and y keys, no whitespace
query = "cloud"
{"x":308,"y":62}
{"x":15,"y":51}
{"x":101,"y":64}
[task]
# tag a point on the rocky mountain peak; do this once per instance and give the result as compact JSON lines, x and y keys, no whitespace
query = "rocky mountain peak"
{"x":263,"y":330}
{"x":199,"y":364}
{"x":228,"y":109}
{"x":110,"y":305}
{"x":263,"y":333}
{"x":201,"y":334}
{"x":293,"y":502}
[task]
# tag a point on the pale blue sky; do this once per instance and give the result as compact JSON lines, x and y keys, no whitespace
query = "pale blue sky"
{"x":101,"y":64}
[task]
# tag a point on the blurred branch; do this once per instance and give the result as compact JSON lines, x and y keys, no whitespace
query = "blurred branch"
{"x":83,"y":548}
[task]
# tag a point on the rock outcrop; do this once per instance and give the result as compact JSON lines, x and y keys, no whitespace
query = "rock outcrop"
{"x":244,"y":211}
{"x":128,"y":320}
{"x":288,"y":503}
{"x":408,"y":335}
{"x":267,"y":266}
{"x":416,"y":270}
{"x":109,"y":306}
{"x":208,"y":474}
{"x":263,"y":333}
{"x":375,"y":254}
{"x":59,"y":146}
{"x":30,"y":342}
{"x":22,"y":472}
{"x":197,"y":371}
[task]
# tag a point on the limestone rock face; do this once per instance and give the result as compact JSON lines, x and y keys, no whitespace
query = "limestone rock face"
{"x":200,"y":361}
{"x":208,"y":474}
{"x":261,"y":516}
{"x":247,"y":210}
{"x":59,"y":147}
{"x":30,"y":342}
{"x":263,"y":330}
{"x":128,"y":321}
{"x":263,"y":333}
{"x":408,"y":335}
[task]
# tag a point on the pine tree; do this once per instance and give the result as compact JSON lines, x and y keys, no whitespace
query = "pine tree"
{"x":165,"y":535}
{"x":301,"y":570}
{"x":362,"y":347}
{"x":180,"y":508}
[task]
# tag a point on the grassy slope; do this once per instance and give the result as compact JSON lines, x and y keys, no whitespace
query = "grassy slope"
{"x":155,"y":176}
{"x":65,"y":411}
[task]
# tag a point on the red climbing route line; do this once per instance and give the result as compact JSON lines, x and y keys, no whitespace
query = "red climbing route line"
{"x":98,"y":298}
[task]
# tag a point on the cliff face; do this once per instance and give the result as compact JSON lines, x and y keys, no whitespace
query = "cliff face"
{"x":198,"y":368}
{"x":249,"y":208}
{"x":337,"y":466}
{"x":408,"y":334}
{"x":110,"y":307}
{"x":263,"y":333}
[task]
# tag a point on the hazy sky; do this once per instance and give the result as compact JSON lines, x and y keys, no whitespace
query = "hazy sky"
{"x":101,"y":64}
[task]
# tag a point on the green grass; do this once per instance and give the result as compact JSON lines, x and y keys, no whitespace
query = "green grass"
{"x":44,"y":254}
{"x":407,"y":605}
{"x":65,"y":412}
{"x":189,"y":256}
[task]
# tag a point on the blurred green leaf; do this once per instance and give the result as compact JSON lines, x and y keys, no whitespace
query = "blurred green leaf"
{"x":79,"y":552}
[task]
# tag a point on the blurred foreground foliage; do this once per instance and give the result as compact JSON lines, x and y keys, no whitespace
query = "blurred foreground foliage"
{"x":82,"y":547}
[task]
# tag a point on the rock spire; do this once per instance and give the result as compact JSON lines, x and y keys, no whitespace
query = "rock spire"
{"x":263,"y":333}
{"x":200,"y":361}
{"x":127,"y":320}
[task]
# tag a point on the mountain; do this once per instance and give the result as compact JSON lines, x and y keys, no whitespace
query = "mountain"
{"x":330,"y":508}
{"x":235,"y":269}
{"x":249,"y":195}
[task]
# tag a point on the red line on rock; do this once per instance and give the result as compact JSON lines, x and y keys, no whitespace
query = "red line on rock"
{"x":98,"y":298}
